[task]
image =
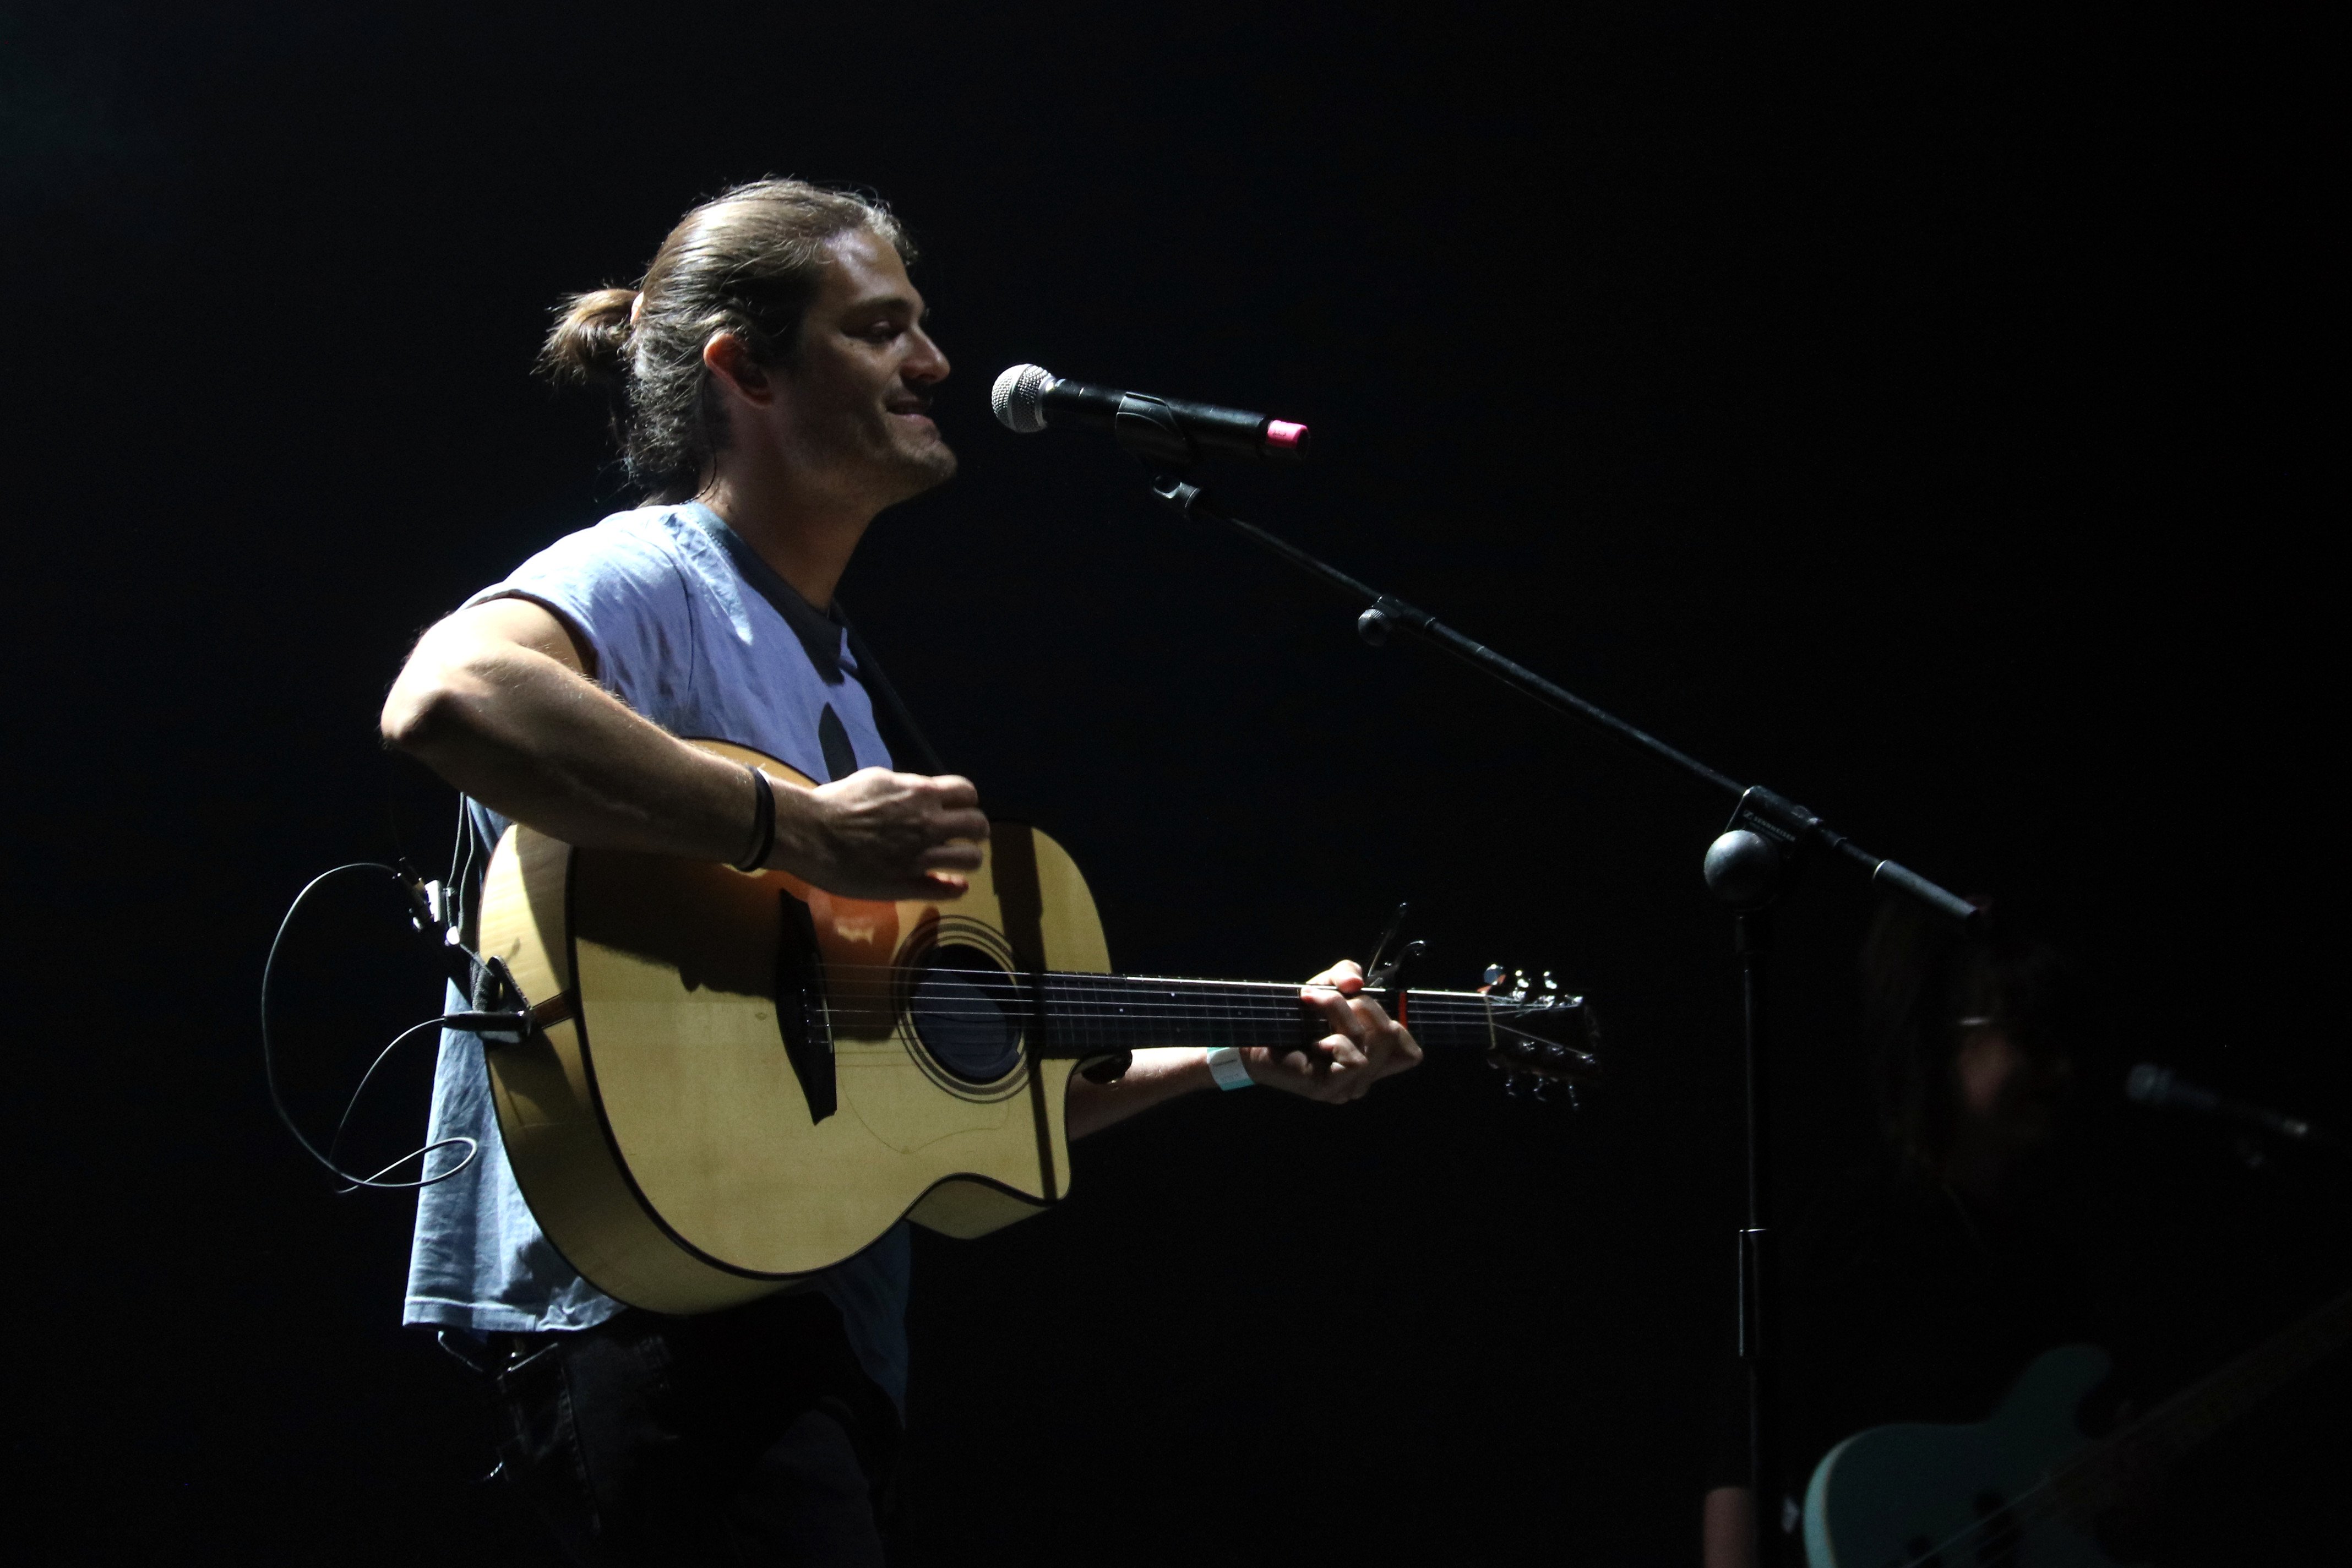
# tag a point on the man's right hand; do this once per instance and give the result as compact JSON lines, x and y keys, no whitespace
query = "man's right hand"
{"x":881,"y":834}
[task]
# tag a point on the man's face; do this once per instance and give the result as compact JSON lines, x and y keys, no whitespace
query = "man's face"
{"x":855,"y":396}
{"x":2010,"y":1089}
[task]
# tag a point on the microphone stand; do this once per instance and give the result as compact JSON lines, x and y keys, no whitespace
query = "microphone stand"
{"x":1744,"y":867}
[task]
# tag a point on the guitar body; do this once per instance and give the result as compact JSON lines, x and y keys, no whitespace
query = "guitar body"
{"x":1917,"y":1495}
{"x":738,"y":1080}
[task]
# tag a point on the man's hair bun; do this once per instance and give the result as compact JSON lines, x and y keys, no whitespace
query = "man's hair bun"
{"x":589,"y":345}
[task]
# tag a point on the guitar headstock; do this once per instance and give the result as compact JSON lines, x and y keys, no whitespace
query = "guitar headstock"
{"x":1547,"y":1043}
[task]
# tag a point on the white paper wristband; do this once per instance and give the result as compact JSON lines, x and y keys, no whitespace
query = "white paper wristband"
{"x":1225,"y":1065}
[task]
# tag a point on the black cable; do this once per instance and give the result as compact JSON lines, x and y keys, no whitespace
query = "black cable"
{"x":335,"y":1144}
{"x":269,"y":1063}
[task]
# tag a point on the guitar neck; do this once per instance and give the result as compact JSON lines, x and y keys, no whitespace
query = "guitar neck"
{"x":1099,"y":1015}
{"x":2200,"y":1410}
{"x":2167,"y":1433}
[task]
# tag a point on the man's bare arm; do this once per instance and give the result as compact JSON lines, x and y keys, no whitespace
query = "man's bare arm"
{"x":1365,"y":1046}
{"x":495,"y":700}
{"x":1728,"y":1529}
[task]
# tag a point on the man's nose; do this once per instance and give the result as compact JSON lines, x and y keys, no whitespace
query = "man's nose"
{"x":926,"y":364}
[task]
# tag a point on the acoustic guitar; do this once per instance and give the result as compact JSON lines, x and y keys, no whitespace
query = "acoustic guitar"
{"x":733,"y":1080}
{"x":2025,"y":1488}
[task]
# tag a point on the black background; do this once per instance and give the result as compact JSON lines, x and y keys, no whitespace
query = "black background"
{"x":1908,"y":407}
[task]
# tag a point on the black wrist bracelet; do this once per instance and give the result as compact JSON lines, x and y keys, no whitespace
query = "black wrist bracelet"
{"x":763,"y":822}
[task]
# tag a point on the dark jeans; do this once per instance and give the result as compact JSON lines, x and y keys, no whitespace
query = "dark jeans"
{"x":747,"y":1436}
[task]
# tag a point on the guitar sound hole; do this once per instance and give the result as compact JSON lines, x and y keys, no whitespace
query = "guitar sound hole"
{"x":968,"y":1013}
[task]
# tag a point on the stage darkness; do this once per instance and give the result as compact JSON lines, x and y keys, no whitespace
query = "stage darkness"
{"x":1903,"y":411}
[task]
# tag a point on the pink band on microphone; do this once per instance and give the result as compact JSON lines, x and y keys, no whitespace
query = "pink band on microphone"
{"x":1283,"y":433}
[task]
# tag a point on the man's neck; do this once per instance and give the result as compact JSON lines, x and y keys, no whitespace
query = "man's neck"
{"x":807,"y":540}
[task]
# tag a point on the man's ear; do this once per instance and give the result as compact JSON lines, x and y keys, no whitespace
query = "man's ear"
{"x":727,"y":358}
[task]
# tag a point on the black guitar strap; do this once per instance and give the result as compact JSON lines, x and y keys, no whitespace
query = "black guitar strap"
{"x":897,"y":725}
{"x":821,"y":636}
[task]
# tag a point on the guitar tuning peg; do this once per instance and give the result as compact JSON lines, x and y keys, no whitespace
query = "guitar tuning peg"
{"x":1494,"y":972}
{"x":1551,"y":986}
{"x":1515,"y":1085}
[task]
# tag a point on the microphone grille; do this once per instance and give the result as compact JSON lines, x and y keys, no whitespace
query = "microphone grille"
{"x":1018,"y":398}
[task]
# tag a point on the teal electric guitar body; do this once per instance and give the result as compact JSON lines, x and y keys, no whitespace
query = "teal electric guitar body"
{"x":2024,"y":1488}
{"x":1961,"y":1495}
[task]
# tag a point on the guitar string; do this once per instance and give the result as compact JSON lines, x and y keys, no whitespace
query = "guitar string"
{"x":1086,"y":1004}
{"x":1077,"y":994}
{"x":1441,"y":1008}
{"x":1110,"y":1016}
{"x":1263,"y":1008}
{"x":1090,"y":977}
{"x":853,"y":971}
{"x":1073,"y":1013}
{"x":858,"y":971}
{"x":2028,"y":1508}
{"x":1107,"y":989}
{"x":1126,"y":991}
{"x":1128,"y":1002}
{"x":1117,"y":1027}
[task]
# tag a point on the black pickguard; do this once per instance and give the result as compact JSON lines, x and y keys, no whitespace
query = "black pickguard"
{"x":800,"y":1007}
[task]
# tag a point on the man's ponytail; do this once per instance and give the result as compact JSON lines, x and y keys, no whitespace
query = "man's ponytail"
{"x":589,"y":345}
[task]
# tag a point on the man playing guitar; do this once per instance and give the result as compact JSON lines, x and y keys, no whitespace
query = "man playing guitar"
{"x":772,"y":378}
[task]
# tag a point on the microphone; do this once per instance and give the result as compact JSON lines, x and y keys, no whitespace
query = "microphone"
{"x":2161,"y":1088}
{"x":1027,"y":398}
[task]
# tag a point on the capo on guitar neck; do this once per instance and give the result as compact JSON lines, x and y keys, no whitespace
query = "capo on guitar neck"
{"x":1384,"y":970}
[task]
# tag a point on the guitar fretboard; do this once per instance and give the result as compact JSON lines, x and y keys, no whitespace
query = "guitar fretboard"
{"x":2087,"y":1485}
{"x":2198,"y":1411}
{"x":1092,"y":1015}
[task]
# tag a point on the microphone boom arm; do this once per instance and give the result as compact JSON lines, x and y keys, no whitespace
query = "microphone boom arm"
{"x":1781,"y":827}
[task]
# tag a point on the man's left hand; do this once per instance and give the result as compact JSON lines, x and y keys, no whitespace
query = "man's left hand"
{"x":1365,"y":1044}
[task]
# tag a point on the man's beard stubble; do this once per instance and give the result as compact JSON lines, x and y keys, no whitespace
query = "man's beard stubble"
{"x":918,"y":470}
{"x":897,"y":468}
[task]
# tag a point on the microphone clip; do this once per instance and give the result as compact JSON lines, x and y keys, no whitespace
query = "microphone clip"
{"x":1148,"y":428}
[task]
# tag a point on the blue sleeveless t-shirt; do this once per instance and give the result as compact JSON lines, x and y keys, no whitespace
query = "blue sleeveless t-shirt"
{"x":697,"y":634}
